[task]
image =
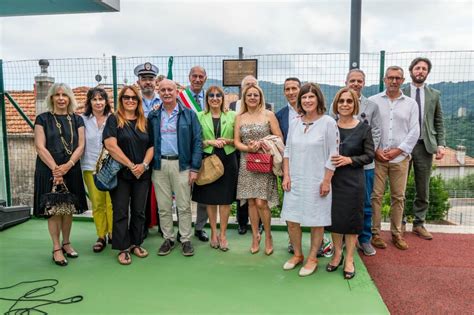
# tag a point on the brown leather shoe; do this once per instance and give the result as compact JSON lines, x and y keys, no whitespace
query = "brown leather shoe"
{"x":399,"y":242}
{"x":378,"y":242}
{"x":422,"y":232}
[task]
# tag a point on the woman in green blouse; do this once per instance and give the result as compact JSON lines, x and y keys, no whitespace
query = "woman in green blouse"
{"x":218,"y":133}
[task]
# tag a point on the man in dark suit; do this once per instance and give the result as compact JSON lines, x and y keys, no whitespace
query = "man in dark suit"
{"x":291,"y":88}
{"x":431,"y":139}
{"x":243,"y":210}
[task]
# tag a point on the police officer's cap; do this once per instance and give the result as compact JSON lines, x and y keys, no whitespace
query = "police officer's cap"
{"x":146,"y":69}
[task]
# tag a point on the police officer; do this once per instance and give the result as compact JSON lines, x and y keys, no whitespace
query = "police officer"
{"x":146,"y":74}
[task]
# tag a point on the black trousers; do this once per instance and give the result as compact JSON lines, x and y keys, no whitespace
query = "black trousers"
{"x":148,"y":210}
{"x":129,"y":193}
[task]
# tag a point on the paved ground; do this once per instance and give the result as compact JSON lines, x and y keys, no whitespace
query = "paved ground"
{"x":431,"y":277}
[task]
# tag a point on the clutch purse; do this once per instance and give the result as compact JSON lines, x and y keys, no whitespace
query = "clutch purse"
{"x":259,"y":162}
{"x":211,"y":170}
{"x":106,"y":169}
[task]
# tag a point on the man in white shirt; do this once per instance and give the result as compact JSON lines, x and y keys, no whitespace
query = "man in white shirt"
{"x":399,"y":133}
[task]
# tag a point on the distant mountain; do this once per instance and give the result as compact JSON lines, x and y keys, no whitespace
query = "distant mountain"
{"x":453,"y":95}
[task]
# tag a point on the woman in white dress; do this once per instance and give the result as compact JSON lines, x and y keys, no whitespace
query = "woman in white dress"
{"x":307,"y":172}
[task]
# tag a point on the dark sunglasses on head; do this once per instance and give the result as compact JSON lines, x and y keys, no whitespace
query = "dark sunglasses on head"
{"x":130,"y":98}
{"x":212,"y":95}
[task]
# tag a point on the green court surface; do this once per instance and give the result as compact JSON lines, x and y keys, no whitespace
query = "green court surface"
{"x":211,"y":282}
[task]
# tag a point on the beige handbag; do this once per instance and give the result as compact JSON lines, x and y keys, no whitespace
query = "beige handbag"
{"x":211,"y":170}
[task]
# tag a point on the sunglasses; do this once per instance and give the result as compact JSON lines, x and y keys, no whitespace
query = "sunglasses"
{"x":252,"y":95}
{"x":129,"y":98}
{"x":212,"y":95}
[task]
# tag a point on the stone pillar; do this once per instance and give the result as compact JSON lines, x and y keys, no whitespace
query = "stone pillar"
{"x":42,"y":84}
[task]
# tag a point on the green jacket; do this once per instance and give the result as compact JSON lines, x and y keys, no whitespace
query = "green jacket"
{"x":433,"y":128}
{"x":227,"y":129}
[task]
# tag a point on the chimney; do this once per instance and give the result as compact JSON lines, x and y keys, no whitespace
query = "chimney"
{"x":461,"y":154}
{"x":42,"y":84}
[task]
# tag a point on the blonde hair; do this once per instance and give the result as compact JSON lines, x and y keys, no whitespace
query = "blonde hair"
{"x":121,"y":120}
{"x":243,"y":104}
{"x":67,"y":90}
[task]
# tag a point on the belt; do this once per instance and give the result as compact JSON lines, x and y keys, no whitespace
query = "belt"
{"x":169,"y":157}
{"x":420,"y":141}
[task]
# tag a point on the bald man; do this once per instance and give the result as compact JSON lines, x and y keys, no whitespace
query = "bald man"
{"x":177,"y":159}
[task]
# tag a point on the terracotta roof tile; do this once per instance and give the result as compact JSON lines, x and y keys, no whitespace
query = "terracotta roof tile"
{"x":450,"y":160}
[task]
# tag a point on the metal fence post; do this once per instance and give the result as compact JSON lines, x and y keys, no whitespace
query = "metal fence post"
{"x":381,"y":70}
{"x":114,"y":80}
{"x":241,"y":56}
{"x":5,"y":138}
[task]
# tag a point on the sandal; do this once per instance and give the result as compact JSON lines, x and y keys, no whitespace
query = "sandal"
{"x":214,"y":244}
{"x":126,"y":260}
{"x":223,"y":245}
{"x":61,"y":263}
{"x":139,"y":251}
{"x":71,"y":254}
{"x":99,"y":245}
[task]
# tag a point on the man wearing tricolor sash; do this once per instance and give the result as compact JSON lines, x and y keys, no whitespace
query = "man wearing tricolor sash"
{"x":193,"y":98}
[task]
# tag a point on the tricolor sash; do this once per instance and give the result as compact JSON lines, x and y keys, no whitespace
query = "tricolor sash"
{"x":188,"y":100}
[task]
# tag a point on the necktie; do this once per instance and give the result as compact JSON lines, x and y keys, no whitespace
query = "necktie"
{"x":418,"y":101}
{"x":196,"y":98}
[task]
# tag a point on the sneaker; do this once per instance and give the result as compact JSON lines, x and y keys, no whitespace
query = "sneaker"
{"x":166,"y":247}
{"x":378,"y":242}
{"x":367,"y":249}
{"x":399,"y":242}
{"x":187,"y":249}
{"x":421,"y":231}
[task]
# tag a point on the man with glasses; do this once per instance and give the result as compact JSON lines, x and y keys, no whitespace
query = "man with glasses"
{"x":399,"y":133}
{"x":177,"y":139}
{"x":431,"y":140}
{"x":194,"y":98}
{"x":146,"y":74}
{"x":369,"y":114}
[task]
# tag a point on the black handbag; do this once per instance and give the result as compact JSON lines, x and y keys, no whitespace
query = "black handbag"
{"x":60,"y":201}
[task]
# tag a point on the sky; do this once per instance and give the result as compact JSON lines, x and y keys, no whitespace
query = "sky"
{"x":165,"y":27}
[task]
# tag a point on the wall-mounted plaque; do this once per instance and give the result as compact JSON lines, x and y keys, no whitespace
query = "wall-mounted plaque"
{"x":234,"y":70}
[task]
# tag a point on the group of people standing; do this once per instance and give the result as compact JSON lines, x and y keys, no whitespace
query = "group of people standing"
{"x":327,"y":163}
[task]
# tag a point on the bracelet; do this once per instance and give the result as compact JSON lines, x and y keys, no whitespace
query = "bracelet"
{"x":72,"y":162}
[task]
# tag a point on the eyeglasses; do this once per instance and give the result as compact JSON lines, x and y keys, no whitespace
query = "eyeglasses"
{"x":252,"y":95}
{"x":216,"y":95}
{"x":129,"y":98}
{"x":394,"y":78}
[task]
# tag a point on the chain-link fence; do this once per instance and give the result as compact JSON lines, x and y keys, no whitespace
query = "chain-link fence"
{"x":452,"y":74}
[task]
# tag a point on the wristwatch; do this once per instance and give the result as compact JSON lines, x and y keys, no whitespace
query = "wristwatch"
{"x":146,"y":166}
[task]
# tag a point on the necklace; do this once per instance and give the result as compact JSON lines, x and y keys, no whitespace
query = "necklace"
{"x":67,"y":147}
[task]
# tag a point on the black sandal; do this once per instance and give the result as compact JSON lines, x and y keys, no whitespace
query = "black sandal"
{"x":72,"y":254}
{"x":127,"y":260}
{"x":61,"y":263}
{"x":99,"y":245}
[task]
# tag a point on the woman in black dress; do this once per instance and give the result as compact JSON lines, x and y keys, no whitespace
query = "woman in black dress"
{"x":356,"y":149}
{"x":218,"y":138}
{"x":59,"y":142}
{"x":126,"y":138}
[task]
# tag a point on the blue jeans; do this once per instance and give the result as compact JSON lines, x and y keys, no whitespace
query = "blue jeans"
{"x":366,"y":234}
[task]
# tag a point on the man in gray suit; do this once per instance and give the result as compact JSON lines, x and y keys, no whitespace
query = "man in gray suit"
{"x":431,"y":139}
{"x":369,"y":114}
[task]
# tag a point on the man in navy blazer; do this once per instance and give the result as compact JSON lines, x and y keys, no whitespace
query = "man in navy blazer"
{"x":291,"y":88}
